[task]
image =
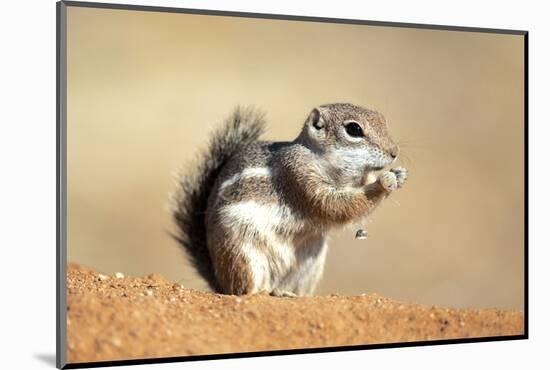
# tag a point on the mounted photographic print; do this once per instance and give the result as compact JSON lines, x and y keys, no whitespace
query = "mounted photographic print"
{"x":235,"y":184}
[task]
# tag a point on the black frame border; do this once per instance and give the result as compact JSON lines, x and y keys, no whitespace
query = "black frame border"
{"x":61,"y":186}
{"x":61,"y":182}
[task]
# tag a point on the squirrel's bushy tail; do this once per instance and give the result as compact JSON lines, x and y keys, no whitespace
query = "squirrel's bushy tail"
{"x":243,"y":127}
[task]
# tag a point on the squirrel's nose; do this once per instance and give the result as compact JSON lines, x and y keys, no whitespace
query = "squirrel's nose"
{"x":394,"y":152}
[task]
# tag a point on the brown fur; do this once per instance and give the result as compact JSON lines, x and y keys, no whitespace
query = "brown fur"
{"x":321,"y":199}
{"x":300,"y":190}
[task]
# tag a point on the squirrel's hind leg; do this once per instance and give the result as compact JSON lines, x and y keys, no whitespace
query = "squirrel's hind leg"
{"x":240,"y":269}
{"x":232,"y":272}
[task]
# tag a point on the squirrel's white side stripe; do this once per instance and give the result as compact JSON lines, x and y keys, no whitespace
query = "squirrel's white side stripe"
{"x":247,"y":172}
{"x":262,"y":217}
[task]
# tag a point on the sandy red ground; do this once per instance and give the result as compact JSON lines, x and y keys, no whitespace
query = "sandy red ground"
{"x":112,"y":318}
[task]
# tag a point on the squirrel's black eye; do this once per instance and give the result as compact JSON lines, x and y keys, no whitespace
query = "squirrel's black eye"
{"x":354,"y":130}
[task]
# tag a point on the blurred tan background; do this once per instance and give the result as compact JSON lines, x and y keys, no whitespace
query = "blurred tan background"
{"x":144,"y":89}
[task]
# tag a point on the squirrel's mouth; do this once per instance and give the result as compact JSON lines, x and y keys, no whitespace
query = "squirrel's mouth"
{"x":376,"y":168}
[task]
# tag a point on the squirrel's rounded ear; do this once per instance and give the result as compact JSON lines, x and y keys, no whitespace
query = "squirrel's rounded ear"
{"x":315,"y":119}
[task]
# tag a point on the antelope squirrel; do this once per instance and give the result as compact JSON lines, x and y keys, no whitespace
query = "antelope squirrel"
{"x":255,"y":214}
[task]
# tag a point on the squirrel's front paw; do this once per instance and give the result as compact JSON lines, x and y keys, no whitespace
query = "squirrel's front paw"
{"x":388,"y":180}
{"x":393,"y":179}
{"x":401,"y":175}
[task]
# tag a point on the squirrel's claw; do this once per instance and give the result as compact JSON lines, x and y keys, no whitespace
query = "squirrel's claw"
{"x":283,"y":293}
